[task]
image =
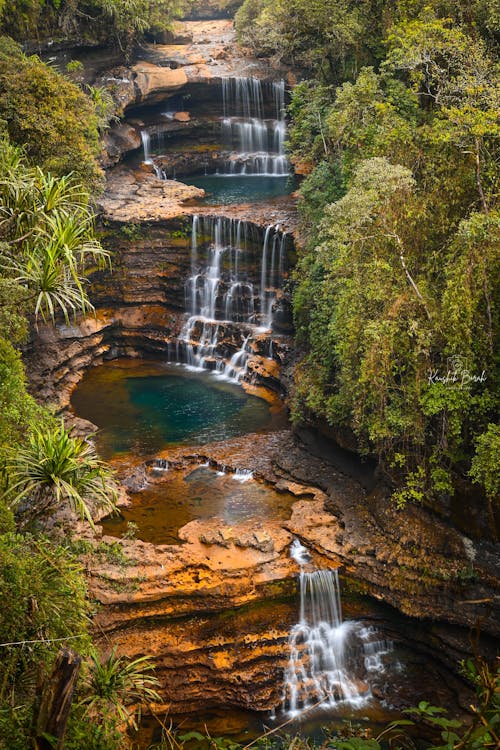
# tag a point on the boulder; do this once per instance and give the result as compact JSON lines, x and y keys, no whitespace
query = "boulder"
{"x":155,"y":83}
{"x":119,"y":140}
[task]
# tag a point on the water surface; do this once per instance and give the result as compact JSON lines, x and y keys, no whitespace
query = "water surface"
{"x":142,"y":407}
{"x":160,"y":510}
{"x":227,"y":189}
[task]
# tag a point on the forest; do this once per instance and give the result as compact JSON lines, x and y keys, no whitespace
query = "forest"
{"x":393,"y":133}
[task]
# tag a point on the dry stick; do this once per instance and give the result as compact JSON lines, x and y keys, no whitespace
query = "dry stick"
{"x":168,"y":732}
{"x":57,"y":698}
{"x":277,"y":729}
{"x":408,"y":275}
{"x":322,"y":134}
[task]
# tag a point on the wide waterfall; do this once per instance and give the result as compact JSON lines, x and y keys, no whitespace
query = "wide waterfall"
{"x":255,"y":139}
{"x":235,"y":279}
{"x":253,"y":130}
{"x":331,"y":660}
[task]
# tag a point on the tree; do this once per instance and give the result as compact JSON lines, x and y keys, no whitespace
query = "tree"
{"x":49,"y":116}
{"x":455,"y":72}
{"x":324,"y":35}
{"x":121,"y":22}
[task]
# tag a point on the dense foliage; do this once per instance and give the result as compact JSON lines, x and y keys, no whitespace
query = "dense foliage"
{"x":397,"y":290}
{"x":335,"y":38}
{"x":106,"y":21}
{"x":396,"y":296}
{"x":48,"y":115}
{"x":47,"y":244}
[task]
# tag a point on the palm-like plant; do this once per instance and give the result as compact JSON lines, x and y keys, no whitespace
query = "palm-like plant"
{"x":56,"y":467}
{"x":119,"y":684}
{"x":49,"y":281}
{"x":47,"y":228}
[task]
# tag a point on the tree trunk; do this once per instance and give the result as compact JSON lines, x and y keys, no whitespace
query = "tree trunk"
{"x":56,"y":701}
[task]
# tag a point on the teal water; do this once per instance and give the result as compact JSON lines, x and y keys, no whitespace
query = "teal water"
{"x":227,"y":189}
{"x":142,"y":407}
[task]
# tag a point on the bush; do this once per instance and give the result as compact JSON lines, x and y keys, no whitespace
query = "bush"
{"x":18,"y":410}
{"x":48,"y":115}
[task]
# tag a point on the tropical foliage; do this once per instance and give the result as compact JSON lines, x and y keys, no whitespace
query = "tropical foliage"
{"x":397,"y":291}
{"x":335,"y":38}
{"x":109,"y":21}
{"x":47,"y":239}
{"x":46,"y":594}
{"x":47,"y":245}
{"x":55,"y":468}
{"x":115,"y":684}
{"x":48,"y":115}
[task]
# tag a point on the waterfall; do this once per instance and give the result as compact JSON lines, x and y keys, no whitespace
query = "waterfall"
{"x":271,"y":272}
{"x":330,"y":660}
{"x":235,"y":278}
{"x":253,"y":130}
{"x":236,"y":368}
{"x":257,"y":142}
{"x":146,"y":146}
{"x":154,"y":141}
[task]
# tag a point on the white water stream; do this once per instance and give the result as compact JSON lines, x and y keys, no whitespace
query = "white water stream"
{"x":231,"y":286}
{"x":331,"y":660}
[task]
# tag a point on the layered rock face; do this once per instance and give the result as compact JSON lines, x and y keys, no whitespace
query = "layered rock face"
{"x":216,"y":610}
{"x":142,"y":306}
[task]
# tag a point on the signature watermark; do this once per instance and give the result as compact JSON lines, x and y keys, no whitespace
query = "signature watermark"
{"x":457,"y":375}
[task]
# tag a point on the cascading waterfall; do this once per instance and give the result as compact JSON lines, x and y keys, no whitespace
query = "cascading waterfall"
{"x":223,"y":292}
{"x":257,"y":143}
{"x":154,"y":141}
{"x":331,"y":660}
{"x":146,"y":146}
{"x":253,"y":130}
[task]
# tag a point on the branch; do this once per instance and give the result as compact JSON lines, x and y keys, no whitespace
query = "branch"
{"x":396,"y":237}
{"x":407,"y":273}
{"x":478,"y":176}
{"x":322,"y":134}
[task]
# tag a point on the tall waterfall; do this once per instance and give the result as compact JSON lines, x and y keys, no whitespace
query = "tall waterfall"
{"x":257,"y":141}
{"x":232,"y":287}
{"x":331,"y":660}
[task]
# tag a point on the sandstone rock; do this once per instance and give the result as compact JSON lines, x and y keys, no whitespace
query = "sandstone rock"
{"x":155,"y":83}
{"x":138,"y":195}
{"x":119,"y":140}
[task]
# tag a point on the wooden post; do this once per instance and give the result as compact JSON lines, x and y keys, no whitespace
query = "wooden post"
{"x":56,"y":701}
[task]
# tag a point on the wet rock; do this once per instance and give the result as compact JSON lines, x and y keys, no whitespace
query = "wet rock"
{"x":119,"y":140}
{"x":136,"y":480}
{"x":138,"y":196}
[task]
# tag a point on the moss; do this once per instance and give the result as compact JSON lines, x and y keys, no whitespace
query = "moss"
{"x":122,"y":586}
